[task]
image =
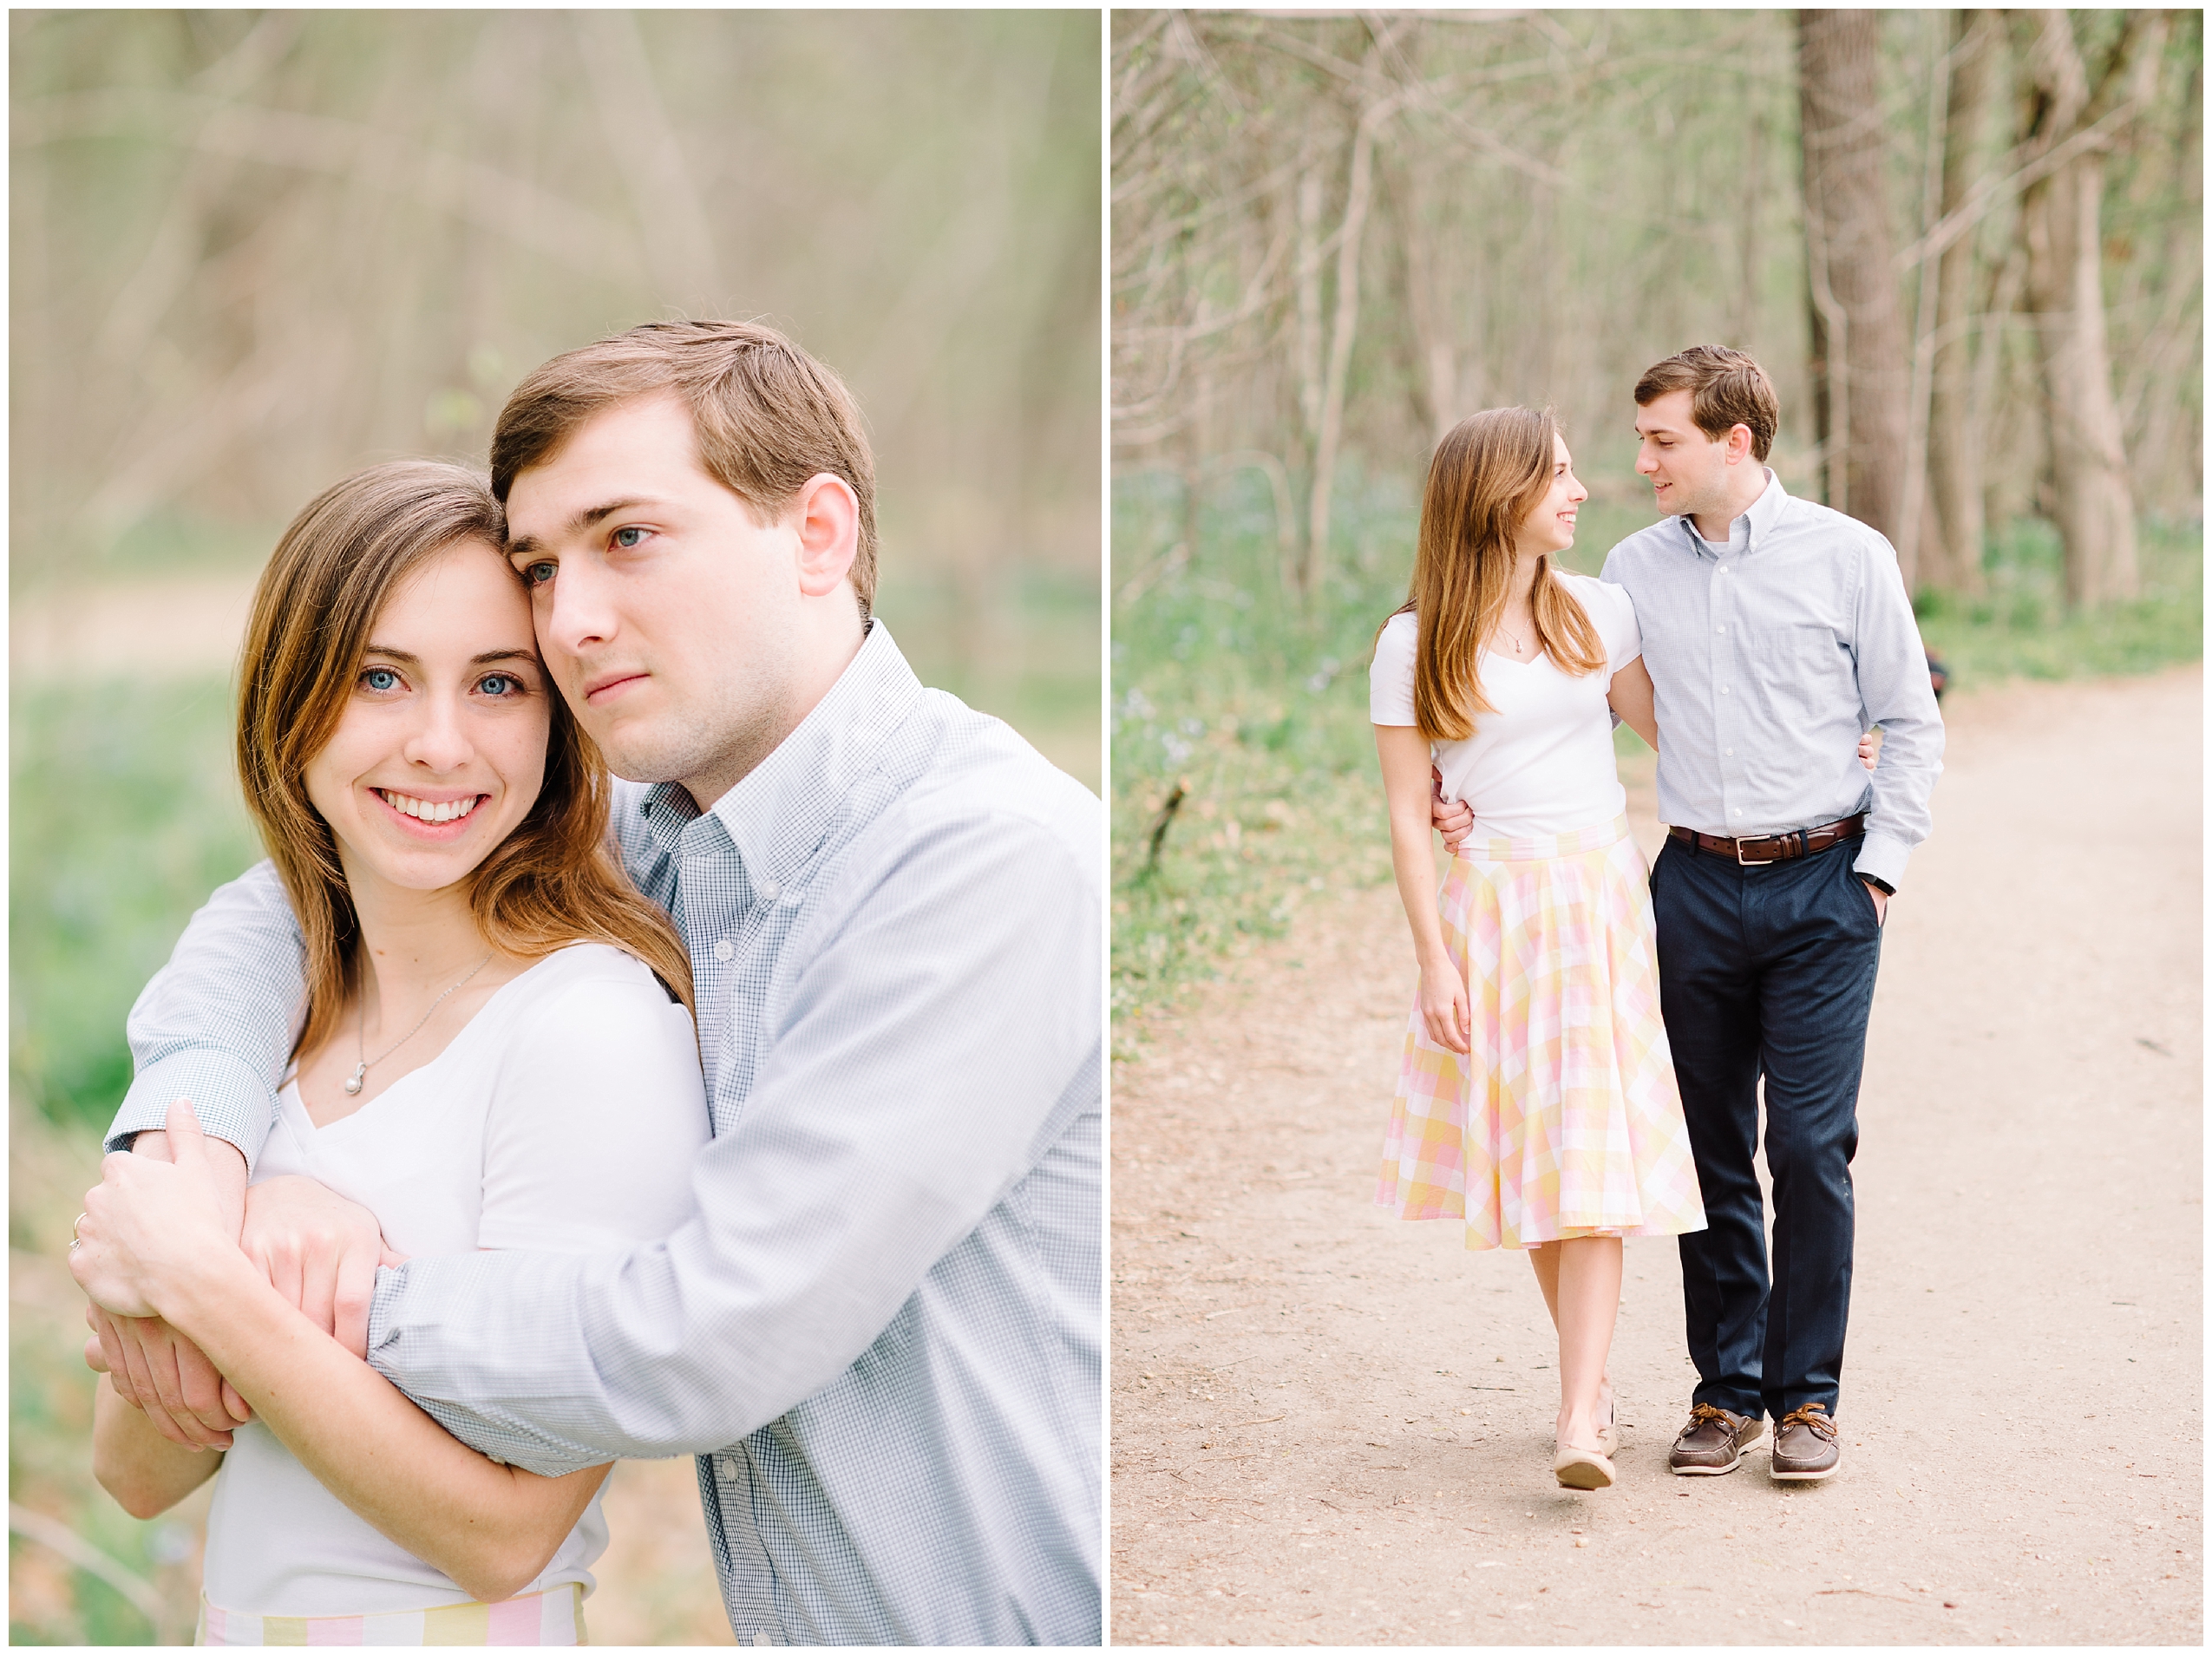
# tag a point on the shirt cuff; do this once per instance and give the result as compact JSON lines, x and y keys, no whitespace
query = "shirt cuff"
{"x":383,"y":1310}
{"x":231,"y":1098}
{"x":506,"y":1441}
{"x":1883,"y":856}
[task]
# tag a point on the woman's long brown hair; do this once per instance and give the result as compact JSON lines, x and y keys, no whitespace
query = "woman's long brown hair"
{"x":1490,"y":471}
{"x":553,"y":880}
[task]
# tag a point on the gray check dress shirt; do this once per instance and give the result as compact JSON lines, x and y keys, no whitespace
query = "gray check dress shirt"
{"x":880,"y":1328}
{"x":1768,"y":661}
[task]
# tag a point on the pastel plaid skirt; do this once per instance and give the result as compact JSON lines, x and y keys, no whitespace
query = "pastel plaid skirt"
{"x":1563,"y":1120}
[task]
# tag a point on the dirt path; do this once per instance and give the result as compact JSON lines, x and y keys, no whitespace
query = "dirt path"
{"x":1333,"y":1427}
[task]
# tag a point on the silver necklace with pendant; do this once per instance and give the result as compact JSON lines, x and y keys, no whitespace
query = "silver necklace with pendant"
{"x":353,"y":1084}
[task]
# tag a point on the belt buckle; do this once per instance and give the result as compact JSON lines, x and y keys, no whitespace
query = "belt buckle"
{"x":1769,"y":861}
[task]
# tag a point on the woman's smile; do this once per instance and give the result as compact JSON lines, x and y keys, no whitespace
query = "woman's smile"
{"x":419,"y":814}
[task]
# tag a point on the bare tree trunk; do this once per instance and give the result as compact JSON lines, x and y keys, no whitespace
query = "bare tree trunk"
{"x":1847,"y":212}
{"x":2059,"y":220}
{"x":1953,"y":432}
{"x":1995,"y":333}
{"x":1310,"y":186}
{"x":1921,"y":537}
{"x":2088,"y":475}
{"x":1427,"y":311}
{"x":1357,"y":191}
{"x":1747,"y":295}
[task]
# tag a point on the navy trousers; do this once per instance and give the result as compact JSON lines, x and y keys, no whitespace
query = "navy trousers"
{"x":1767,"y":973}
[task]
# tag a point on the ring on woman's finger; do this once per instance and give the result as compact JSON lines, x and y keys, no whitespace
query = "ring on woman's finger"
{"x":76,"y":1240}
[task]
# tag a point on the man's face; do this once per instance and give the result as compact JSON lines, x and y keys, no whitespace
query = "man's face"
{"x":1688,"y":469}
{"x":667,"y":614}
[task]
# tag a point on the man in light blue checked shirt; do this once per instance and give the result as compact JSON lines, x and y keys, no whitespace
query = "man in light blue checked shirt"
{"x":1776,"y":631}
{"x":880,"y":1330}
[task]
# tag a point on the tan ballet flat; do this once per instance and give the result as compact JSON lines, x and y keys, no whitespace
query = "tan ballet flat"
{"x":1581,"y":1469}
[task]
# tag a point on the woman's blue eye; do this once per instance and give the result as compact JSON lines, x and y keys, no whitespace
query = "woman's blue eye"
{"x":380,"y":679}
{"x":501,"y":683}
{"x":636,"y":535}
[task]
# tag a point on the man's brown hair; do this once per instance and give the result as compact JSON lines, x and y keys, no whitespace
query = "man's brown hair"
{"x":769,"y":416}
{"x":1727,"y":388}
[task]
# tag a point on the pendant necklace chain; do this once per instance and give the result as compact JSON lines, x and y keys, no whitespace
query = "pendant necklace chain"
{"x":353,"y":1084}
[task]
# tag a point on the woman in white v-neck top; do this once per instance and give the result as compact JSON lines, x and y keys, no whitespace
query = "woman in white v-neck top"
{"x":1536,"y":1102}
{"x":497,"y":1051}
{"x":501,"y":1141}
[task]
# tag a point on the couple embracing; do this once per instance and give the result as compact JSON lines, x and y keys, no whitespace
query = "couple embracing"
{"x":747,"y":1108}
{"x":1564,"y":1083}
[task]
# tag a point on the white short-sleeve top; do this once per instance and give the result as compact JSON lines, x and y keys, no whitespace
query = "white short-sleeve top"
{"x":1542,"y":762}
{"x":564,"y":1117}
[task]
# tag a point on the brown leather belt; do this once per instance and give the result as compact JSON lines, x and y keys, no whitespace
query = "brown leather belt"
{"x":1758,"y":851}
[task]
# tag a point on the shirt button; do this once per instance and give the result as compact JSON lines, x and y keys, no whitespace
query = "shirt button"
{"x":722,"y":950}
{"x":769,"y":890}
{"x":1720,"y":629}
{"x":1735,"y":813}
{"x":1723,"y":689}
{"x":761,"y":1640}
{"x":1730,"y":751}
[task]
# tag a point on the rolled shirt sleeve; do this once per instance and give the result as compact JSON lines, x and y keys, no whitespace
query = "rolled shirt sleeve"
{"x":941,"y":1032}
{"x":217,"y":1023}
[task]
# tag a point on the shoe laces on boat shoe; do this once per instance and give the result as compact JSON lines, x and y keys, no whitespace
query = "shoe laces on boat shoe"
{"x":1814,"y":1417}
{"x":1700,"y":1412}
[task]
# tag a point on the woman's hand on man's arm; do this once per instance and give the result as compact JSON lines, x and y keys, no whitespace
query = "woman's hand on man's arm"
{"x":150,"y":1365}
{"x":150,"y":1247}
{"x":319,"y":1250}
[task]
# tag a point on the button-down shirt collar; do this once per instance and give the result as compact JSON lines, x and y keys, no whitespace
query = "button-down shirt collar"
{"x":1760,"y":516}
{"x":777,"y":816}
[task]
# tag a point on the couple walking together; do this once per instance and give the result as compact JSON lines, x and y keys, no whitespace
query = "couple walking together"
{"x":1563,"y":1087}
{"x":455,"y":1031}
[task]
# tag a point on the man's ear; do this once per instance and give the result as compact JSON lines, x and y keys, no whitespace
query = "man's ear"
{"x":1739,"y":444}
{"x":826,"y":514}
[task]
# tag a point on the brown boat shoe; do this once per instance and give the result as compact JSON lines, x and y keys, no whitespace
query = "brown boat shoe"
{"x":1806,"y":1449}
{"x":1713,"y":1440}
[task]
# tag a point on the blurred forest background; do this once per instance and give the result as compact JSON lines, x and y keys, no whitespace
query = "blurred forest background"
{"x":250,"y":251}
{"x":1968,"y":246}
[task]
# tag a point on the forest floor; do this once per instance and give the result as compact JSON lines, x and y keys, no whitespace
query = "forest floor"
{"x":1333,"y":1427}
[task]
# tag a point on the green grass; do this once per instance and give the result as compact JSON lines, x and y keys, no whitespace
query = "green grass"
{"x":49,"y":1418}
{"x":123,"y":815}
{"x":1223,"y":685}
{"x":2021,"y":630}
